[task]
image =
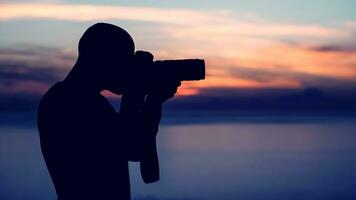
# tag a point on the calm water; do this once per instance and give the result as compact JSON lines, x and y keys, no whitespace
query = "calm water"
{"x":311,"y":160}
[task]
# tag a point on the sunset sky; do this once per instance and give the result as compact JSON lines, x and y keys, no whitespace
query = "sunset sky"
{"x":246,"y":43}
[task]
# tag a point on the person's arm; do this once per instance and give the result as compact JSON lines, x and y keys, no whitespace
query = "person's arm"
{"x":157,"y":95}
{"x":149,"y":165}
{"x":139,"y":119}
{"x":141,"y":113}
{"x":131,"y":124}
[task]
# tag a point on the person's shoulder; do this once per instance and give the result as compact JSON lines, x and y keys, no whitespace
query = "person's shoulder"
{"x":55,"y":90}
{"x":54,"y":93}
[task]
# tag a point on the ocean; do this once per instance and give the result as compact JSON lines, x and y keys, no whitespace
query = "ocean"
{"x":307,"y":158}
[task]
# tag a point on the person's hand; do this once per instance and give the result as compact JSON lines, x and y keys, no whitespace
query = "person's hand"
{"x":161,"y":91}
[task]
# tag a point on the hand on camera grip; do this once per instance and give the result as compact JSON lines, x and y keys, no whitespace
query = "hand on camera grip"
{"x":161,"y":92}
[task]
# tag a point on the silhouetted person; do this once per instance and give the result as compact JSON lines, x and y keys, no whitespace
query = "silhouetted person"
{"x":85,"y":142}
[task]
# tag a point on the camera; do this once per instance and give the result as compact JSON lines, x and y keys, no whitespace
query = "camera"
{"x":168,"y":70}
